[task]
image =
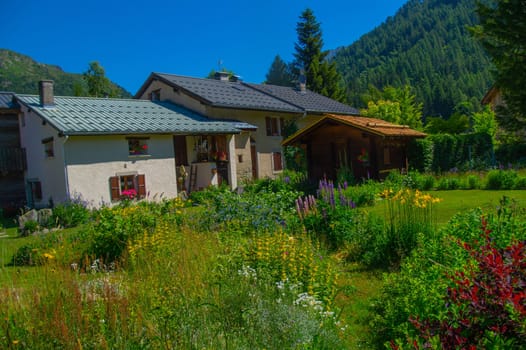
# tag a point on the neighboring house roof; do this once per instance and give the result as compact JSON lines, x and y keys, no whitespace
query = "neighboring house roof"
{"x":103,"y":116}
{"x":6,"y":100}
{"x":490,"y":96}
{"x":371,"y":125}
{"x":251,"y":96}
{"x":223,"y":93}
{"x":307,"y":100}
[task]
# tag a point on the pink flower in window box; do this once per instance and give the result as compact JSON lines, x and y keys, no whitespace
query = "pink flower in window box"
{"x":129,"y":194}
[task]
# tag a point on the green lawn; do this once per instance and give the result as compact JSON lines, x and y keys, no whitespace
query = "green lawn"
{"x":461,"y":200}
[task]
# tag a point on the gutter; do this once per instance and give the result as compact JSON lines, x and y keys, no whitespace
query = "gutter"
{"x":66,"y":177}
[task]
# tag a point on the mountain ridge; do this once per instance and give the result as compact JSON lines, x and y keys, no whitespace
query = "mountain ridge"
{"x":20,"y":73}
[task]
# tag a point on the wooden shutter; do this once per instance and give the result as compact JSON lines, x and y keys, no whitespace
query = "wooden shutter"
{"x":268,"y":124}
{"x":278,"y":165}
{"x":115,"y":190}
{"x":141,"y":186}
{"x":275,"y":130}
{"x":282,"y":126}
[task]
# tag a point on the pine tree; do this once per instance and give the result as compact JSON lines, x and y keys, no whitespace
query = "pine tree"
{"x":280,"y":73}
{"x":322,"y":76}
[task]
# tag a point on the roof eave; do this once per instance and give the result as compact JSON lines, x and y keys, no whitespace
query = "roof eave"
{"x":43,"y":117}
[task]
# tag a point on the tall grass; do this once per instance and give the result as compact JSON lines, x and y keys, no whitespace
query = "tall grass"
{"x":177,"y":288}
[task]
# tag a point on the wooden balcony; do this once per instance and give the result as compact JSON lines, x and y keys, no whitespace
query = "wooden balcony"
{"x":12,"y":159}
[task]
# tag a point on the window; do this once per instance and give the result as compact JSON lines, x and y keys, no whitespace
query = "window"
{"x":277,"y":162}
{"x":155,"y":95}
{"x":138,"y":146}
{"x":130,"y":186}
{"x":35,"y":190}
{"x":274,"y":126}
{"x":49,"y":150}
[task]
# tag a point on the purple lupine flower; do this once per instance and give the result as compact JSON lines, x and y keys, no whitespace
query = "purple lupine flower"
{"x":343,"y":200}
{"x":312,"y":201}
{"x":345,"y":185}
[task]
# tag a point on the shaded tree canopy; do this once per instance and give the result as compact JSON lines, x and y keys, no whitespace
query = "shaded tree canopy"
{"x":502,"y":32}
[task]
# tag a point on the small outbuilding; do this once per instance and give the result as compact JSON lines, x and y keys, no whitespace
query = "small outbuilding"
{"x":363,"y":147}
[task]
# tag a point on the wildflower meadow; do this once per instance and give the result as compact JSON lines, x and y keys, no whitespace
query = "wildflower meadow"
{"x":399,"y":264}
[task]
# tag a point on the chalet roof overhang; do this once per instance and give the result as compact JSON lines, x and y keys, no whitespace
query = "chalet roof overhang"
{"x":367,"y":125}
{"x":83,"y":116}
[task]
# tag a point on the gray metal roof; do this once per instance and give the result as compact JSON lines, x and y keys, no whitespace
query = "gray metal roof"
{"x":307,"y":100}
{"x":88,"y":116}
{"x":228,"y":94}
{"x":6,"y":100}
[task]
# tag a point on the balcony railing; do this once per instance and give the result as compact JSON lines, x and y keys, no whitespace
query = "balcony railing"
{"x":12,"y":159}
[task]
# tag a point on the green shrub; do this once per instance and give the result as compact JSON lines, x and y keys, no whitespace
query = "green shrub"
{"x":426,"y":182}
{"x":30,"y":227}
{"x":472,"y":182}
{"x":520,"y":183}
{"x":501,"y":179}
{"x":26,"y":255}
{"x":71,"y":214}
{"x":419,"y":289}
{"x":364,"y":194}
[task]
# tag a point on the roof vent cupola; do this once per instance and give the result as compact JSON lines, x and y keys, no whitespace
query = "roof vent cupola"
{"x":45,"y":89}
{"x":223,"y":76}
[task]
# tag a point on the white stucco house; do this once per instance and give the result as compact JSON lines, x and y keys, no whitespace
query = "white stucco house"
{"x":270,"y":108}
{"x":103,"y":150}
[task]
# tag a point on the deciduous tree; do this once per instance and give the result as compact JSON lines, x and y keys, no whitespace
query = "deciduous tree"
{"x":97,"y":82}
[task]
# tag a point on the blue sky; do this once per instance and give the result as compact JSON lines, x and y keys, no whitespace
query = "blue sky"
{"x":132,"y":38}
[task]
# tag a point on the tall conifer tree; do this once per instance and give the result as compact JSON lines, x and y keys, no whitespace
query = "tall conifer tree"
{"x":280,"y":73}
{"x":321,"y":75}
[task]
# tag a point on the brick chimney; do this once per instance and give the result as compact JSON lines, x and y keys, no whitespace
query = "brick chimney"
{"x":45,"y":89}
{"x":302,"y":82}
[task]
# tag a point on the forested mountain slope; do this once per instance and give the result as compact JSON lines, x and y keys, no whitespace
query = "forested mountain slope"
{"x":21,"y":74}
{"x":426,"y":45}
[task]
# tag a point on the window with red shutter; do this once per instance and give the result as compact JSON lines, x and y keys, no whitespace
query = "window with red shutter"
{"x":127,"y":187}
{"x":141,"y":186}
{"x":115,"y":189}
{"x":277,"y":161}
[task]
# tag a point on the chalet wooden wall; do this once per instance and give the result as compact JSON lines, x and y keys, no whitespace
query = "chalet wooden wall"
{"x":12,"y":163}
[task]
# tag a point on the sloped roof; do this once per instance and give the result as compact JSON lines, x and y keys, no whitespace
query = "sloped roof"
{"x":6,"y":100}
{"x":92,"y":116}
{"x":308,"y":101}
{"x":243,"y":95}
{"x":371,"y":125}
{"x":224,"y":93}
